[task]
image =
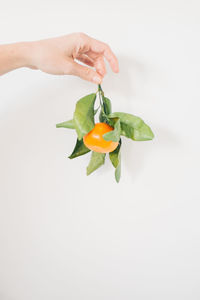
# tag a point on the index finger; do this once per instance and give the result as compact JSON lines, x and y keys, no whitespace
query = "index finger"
{"x":102,"y":48}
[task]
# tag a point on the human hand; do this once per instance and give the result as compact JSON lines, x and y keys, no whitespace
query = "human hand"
{"x":61,"y":55}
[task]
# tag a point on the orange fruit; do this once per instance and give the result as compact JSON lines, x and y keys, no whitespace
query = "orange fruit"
{"x":94,"y":139}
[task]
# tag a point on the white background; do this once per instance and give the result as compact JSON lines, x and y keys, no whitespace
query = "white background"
{"x":64,"y":235}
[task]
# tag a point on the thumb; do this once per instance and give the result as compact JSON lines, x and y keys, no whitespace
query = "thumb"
{"x":86,"y":73}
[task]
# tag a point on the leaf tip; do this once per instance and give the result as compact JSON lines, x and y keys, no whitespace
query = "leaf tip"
{"x":153,"y":135}
{"x":88,"y":172}
{"x":117,"y":175}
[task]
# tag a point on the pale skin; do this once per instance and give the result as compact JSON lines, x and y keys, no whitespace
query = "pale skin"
{"x":61,"y":56}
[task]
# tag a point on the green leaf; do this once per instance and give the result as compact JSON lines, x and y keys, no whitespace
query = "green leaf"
{"x":67,"y":124}
{"x":144,"y":133}
{"x":115,"y":158}
{"x":102,"y":117}
{"x":107,"y":105}
{"x":97,"y":160}
{"x":84,"y":115}
{"x":113,"y":135}
{"x":118,"y":170}
{"x":105,"y":110}
{"x":133,"y":127}
{"x":127,"y":131}
{"x":127,"y":119}
{"x":79,"y":149}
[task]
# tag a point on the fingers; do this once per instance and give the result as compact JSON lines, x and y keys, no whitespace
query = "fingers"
{"x":98,"y":63}
{"x":102,"y":48}
{"x":100,"y":66}
{"x":112,"y":59}
{"x":85,"y":73}
{"x":85,"y":59}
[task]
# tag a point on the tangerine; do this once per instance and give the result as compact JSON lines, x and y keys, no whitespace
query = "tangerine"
{"x":94,"y":139}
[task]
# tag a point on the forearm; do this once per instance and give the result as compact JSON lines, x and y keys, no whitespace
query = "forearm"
{"x":61,"y":56}
{"x":13,"y":56}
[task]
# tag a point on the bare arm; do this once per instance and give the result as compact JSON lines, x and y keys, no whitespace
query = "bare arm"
{"x":13,"y":56}
{"x":60,"y":56}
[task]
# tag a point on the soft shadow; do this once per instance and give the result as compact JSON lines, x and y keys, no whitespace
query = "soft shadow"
{"x":134,"y":154}
{"x":125,"y":83}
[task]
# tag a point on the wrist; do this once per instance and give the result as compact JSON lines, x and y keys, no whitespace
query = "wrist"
{"x":22,"y":54}
{"x":14,"y":56}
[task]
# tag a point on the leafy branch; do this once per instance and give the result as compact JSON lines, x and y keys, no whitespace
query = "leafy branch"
{"x":123,"y":124}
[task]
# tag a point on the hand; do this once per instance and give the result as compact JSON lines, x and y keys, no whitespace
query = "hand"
{"x":61,"y":55}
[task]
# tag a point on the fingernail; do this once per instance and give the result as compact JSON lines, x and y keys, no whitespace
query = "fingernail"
{"x":116,"y":69}
{"x":96,"y":79}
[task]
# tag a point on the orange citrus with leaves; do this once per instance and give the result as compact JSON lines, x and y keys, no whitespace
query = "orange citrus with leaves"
{"x":94,"y":139}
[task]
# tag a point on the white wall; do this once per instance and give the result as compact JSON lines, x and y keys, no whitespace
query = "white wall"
{"x":64,"y":235}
